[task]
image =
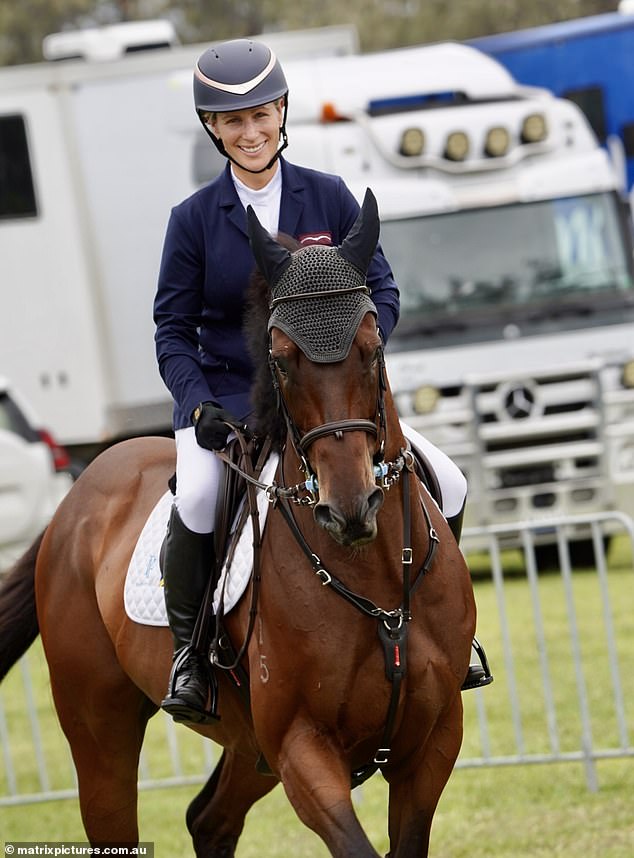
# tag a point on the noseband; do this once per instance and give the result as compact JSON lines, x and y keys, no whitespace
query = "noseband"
{"x":337,"y":428}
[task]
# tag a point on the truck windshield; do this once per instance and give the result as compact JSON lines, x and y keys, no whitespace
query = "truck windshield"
{"x":510,"y":263}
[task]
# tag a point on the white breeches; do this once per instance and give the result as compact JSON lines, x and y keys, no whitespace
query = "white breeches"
{"x":199,"y":471}
{"x":453,"y":483}
{"x":198,"y":475}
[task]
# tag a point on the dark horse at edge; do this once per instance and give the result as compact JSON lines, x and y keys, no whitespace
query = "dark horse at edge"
{"x":360,"y":644}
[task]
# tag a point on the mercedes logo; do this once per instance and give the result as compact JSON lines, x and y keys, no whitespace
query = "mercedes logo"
{"x":519,"y":401}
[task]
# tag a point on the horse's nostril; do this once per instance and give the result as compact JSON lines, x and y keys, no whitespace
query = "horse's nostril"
{"x":321,"y":514}
{"x":375,"y":501}
{"x":324,"y":515}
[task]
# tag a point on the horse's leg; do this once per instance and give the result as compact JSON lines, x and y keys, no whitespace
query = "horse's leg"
{"x":215,"y":818}
{"x":198,"y":804}
{"x":317,"y":781}
{"x":414,"y":797}
{"x":104,"y":716}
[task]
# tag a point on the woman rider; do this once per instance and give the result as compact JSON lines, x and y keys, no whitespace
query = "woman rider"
{"x":241,"y":98}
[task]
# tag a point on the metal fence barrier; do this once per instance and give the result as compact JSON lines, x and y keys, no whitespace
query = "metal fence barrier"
{"x":561,"y":649}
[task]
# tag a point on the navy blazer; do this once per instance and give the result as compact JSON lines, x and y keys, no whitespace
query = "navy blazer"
{"x":205,"y":270}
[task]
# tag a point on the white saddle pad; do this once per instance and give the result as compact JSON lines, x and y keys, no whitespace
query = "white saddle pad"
{"x":143,"y":594}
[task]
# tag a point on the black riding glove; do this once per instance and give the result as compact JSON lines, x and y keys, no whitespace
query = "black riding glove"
{"x":211,"y":429}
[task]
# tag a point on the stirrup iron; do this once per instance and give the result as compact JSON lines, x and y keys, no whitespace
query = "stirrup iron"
{"x":478,"y":675}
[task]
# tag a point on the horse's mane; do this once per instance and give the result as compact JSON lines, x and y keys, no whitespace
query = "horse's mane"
{"x":267,"y":421}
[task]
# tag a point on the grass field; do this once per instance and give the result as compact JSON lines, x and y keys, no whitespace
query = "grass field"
{"x":488,"y":812}
{"x":525,"y":812}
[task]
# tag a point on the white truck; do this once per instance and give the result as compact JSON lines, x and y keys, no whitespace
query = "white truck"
{"x":500,"y":217}
{"x":513,"y":251}
{"x":94,"y":151}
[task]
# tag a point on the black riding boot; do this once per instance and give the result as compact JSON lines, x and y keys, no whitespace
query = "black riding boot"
{"x":187,"y":563}
{"x":478,"y":675}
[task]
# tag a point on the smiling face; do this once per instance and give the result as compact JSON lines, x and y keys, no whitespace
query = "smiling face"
{"x":251,"y":137}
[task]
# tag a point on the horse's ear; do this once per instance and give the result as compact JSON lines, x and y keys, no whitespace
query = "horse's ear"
{"x":360,"y":243}
{"x":272,"y":259}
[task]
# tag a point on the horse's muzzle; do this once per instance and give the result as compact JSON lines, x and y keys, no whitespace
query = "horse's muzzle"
{"x":353,"y":528}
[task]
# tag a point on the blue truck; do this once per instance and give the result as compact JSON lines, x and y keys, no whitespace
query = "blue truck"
{"x":587,"y":60}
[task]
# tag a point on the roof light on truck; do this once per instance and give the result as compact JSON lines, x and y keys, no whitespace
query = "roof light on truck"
{"x":412,"y":142}
{"x":534,"y":128}
{"x":627,"y":376}
{"x":497,"y":142}
{"x":457,"y":146}
{"x":425,"y":399}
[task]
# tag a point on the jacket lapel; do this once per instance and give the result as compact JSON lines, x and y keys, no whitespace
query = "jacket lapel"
{"x":230,"y":202}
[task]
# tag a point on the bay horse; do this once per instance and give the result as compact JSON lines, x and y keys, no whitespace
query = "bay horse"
{"x":365,"y":614}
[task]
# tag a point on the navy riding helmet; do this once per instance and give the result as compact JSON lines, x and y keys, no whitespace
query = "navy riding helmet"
{"x":237,"y":75}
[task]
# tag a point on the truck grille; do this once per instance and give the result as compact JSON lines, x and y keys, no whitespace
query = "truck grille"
{"x":531,"y":446}
{"x":537,"y":443}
